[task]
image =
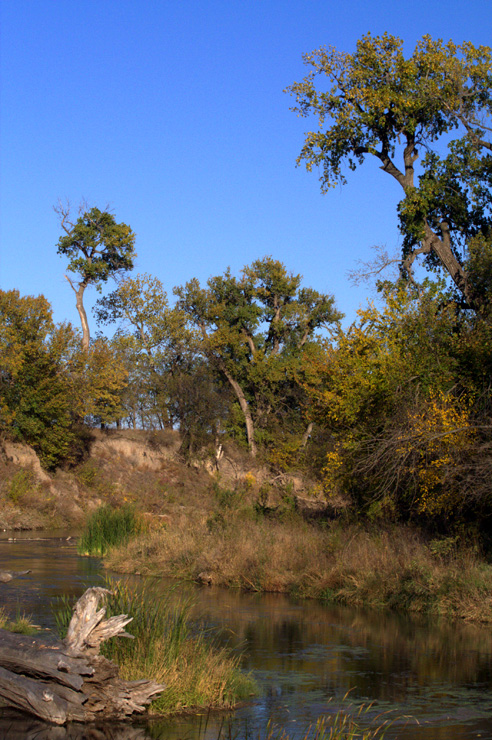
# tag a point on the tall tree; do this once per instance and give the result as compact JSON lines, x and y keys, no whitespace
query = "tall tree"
{"x":251,"y":327}
{"x":98,"y":248}
{"x":377,"y":103}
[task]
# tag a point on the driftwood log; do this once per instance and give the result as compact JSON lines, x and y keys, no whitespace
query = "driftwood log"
{"x":69,"y":681}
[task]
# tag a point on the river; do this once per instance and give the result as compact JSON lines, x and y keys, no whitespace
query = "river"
{"x":434,"y":677}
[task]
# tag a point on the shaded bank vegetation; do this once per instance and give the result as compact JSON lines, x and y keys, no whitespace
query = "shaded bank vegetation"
{"x":388,"y":418}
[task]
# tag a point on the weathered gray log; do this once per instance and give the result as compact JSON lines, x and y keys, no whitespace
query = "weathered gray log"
{"x":87,"y":630}
{"x":35,"y":657}
{"x":68,"y":681}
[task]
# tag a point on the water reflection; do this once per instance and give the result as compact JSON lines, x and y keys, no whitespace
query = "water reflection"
{"x":305,"y":656}
{"x":56,"y":570}
{"x":17,"y":727}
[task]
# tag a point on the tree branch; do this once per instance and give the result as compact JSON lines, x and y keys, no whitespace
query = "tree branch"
{"x":71,"y":284}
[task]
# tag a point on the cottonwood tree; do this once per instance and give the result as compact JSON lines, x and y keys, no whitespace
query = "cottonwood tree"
{"x":98,"y":248}
{"x":252,"y":328}
{"x":378,"y":103}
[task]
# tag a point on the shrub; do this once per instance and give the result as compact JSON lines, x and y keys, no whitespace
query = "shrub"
{"x":22,"y":482}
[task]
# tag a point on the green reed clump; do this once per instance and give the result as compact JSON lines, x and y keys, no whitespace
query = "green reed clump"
{"x":108,"y":527}
{"x":168,"y":648}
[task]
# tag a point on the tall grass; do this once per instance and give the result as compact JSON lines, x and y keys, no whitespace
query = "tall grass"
{"x":171,"y":650}
{"x":349,"y":723}
{"x":108,"y":527}
{"x":341,"y":564}
{"x":344,"y":725}
{"x":22,"y":624}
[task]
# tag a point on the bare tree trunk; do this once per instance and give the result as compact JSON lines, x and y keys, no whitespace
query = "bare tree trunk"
{"x":248,"y":419}
{"x":442,"y":247}
{"x":79,"y":302}
{"x":307,"y":434}
{"x":86,"y":337}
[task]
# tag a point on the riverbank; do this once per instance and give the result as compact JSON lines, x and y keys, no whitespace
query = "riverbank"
{"x":338,"y":563}
{"x":234,"y":523}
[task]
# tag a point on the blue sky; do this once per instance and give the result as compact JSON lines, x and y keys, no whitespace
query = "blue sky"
{"x":173,"y":113}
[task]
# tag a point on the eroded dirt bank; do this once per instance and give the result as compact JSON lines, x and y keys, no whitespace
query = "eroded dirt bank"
{"x":144,"y":468}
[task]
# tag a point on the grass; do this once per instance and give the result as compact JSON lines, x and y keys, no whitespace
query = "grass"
{"x":22,"y":624}
{"x":108,"y":527}
{"x":341,"y":726}
{"x":349,"y":723}
{"x":170,"y":650}
{"x":341,"y":564}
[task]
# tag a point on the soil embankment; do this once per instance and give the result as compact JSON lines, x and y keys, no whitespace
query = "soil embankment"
{"x":132,"y":466}
{"x":232,"y":522}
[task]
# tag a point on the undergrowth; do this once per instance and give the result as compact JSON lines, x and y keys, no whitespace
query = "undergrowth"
{"x":343,"y":564}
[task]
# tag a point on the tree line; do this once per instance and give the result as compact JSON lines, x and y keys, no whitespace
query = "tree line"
{"x":390,"y":414}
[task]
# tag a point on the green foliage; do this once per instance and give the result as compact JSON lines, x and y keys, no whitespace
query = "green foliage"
{"x":403,"y":396}
{"x":375,"y":96}
{"x":377,"y":103}
{"x":97,"y":247}
{"x":253,"y":330}
{"x":99,"y":379}
{"x":227,"y":498}
{"x":107,"y":528}
{"x":22,"y":624}
{"x":87,"y":474}
{"x":48,"y":383}
{"x":168,"y":383}
{"x":21,"y":483}
{"x":141,"y":304}
{"x":387,"y":391}
{"x":35,"y":388}
{"x":444,"y":547}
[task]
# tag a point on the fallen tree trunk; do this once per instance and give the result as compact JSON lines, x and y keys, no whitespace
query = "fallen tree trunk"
{"x":69,"y":681}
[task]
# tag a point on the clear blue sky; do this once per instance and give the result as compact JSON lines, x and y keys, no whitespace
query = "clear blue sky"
{"x":172,"y":112}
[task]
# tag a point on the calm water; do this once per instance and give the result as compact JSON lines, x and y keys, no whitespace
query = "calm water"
{"x":305,"y":657}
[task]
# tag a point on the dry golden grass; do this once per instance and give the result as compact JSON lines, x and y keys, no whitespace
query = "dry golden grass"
{"x":342,"y":564}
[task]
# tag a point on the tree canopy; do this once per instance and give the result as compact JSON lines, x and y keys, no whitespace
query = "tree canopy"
{"x":35,"y":389}
{"x":252,"y":328}
{"x":98,"y":248}
{"x":376,"y":102}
